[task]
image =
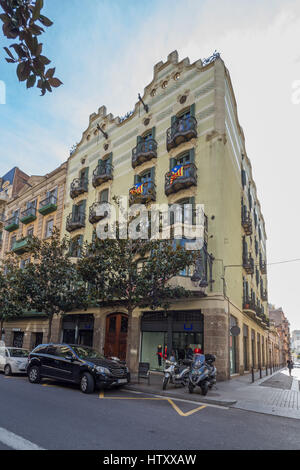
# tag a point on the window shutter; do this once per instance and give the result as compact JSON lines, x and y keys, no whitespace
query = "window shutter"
{"x":153,"y":133}
{"x":74,"y":211}
{"x":192,"y":155}
{"x":173,"y":162}
{"x":109,"y":160}
{"x":82,"y":207}
{"x":138,"y":139}
{"x":173,"y":120}
{"x":192,"y":110}
{"x":192,"y":201}
{"x":243,"y":178}
{"x":104,"y":196}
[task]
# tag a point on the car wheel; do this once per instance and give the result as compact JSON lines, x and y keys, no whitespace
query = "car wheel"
{"x":87,"y":383}
{"x":7,"y":370}
{"x":34,"y":375}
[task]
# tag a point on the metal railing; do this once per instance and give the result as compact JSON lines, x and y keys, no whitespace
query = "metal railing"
{"x":78,"y":186}
{"x":184,"y":128}
{"x":145,"y":150}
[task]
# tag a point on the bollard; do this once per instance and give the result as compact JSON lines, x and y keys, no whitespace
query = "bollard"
{"x":260,"y":372}
{"x":252,"y":372}
{"x":266,"y":370}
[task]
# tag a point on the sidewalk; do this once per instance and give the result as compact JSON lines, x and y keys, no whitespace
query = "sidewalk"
{"x":275,"y":394}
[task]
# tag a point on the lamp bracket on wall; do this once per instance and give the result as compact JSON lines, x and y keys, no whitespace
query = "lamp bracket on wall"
{"x":103,"y":132}
{"x":146,"y":107}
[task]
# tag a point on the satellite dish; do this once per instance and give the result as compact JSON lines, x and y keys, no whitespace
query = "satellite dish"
{"x":235,"y":330}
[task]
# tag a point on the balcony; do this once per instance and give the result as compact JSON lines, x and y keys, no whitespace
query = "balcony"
{"x":11,"y":224}
{"x":144,"y":151}
{"x":29,"y":215}
{"x":78,"y":186}
{"x":2,"y":219}
{"x":263,"y":266}
{"x":48,"y":205}
{"x":185,"y":177}
{"x":246,"y":221}
{"x":22,"y":246}
{"x":142,"y":193}
{"x":249,"y":304}
{"x":94,"y":215}
{"x":102,"y":173}
{"x":248,"y":264}
{"x":75,"y":221}
{"x":264,"y":295}
{"x":181,"y":131}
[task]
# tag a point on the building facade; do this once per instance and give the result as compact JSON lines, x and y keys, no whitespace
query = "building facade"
{"x":282,"y":326}
{"x":33,"y":211}
{"x":295,"y":343}
{"x":185,"y":123}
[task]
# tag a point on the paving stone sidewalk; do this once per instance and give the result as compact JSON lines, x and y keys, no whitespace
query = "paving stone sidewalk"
{"x":277,"y":394}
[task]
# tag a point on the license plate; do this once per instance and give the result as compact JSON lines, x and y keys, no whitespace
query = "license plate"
{"x":122,"y":381}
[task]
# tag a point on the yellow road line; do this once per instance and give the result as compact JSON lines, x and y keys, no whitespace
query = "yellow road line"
{"x":175,"y":407}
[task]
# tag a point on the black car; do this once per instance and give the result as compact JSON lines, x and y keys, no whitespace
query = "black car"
{"x":77,"y":364}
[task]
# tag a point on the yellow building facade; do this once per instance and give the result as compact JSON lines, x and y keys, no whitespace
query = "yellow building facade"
{"x":34,"y":211}
{"x":187,"y":118}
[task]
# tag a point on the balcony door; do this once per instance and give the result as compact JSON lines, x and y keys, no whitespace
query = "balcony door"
{"x":116,"y":335}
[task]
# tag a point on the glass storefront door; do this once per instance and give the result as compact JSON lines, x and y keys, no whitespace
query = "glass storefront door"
{"x":152,"y":343}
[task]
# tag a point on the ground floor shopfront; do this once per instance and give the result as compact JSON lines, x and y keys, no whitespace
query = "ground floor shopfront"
{"x":202,"y":322}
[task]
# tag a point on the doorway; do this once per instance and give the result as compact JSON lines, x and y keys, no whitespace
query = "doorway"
{"x":116,"y":335}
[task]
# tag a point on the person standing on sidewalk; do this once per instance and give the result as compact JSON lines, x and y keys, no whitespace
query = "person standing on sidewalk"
{"x":290,"y":366}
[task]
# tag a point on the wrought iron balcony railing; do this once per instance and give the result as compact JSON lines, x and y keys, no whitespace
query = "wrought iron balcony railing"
{"x":11,"y":224}
{"x":48,"y":205}
{"x":249,"y":304}
{"x":22,"y":246}
{"x":29,"y":215}
{"x":94,"y":215}
{"x":264,"y":295}
{"x":246,"y":221}
{"x":78,"y":186}
{"x":183,"y":178}
{"x":182,"y":130}
{"x":142,"y":193}
{"x":248,"y":264}
{"x":144,"y":151}
{"x":102,"y":173}
{"x":262,"y":266}
{"x":75,"y":221}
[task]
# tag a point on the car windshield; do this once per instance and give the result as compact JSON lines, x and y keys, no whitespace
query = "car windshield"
{"x":15,"y":352}
{"x":84,"y":352}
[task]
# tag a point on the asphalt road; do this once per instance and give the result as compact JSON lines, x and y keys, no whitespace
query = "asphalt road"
{"x":61,"y":417}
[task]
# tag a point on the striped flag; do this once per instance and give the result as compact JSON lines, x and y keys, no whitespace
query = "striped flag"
{"x":176,"y":172}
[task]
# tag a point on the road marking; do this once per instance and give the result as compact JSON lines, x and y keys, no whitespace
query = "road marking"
{"x":16,"y":442}
{"x":169,"y":400}
{"x":181,"y":413}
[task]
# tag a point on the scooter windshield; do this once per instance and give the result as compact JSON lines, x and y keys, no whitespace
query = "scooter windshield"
{"x":199,"y":360}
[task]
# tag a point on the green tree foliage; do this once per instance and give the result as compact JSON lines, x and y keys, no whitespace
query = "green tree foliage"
{"x":134,"y":273}
{"x":51,"y":282}
{"x":22,"y":20}
{"x":10,"y":297}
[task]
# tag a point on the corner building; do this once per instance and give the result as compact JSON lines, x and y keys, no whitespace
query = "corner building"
{"x":190,"y":120}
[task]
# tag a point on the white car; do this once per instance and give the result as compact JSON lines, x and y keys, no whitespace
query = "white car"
{"x":13,"y":360}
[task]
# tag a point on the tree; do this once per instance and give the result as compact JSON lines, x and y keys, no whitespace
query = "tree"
{"x":134,"y":273}
{"x":10,"y":298}
{"x":51,"y":283}
{"x":21,"y":20}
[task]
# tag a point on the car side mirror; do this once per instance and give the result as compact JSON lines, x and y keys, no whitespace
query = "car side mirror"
{"x":70,"y":357}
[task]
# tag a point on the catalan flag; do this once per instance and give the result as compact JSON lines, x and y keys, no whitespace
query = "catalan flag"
{"x":176,"y":172}
{"x":137,"y":189}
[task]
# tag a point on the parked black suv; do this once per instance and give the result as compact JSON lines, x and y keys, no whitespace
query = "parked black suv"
{"x":76,"y":364}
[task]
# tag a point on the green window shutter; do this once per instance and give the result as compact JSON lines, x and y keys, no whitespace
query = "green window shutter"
{"x":173,"y":162}
{"x":109,"y":160}
{"x":192,"y":155}
{"x":82,"y":206}
{"x":104,"y":196}
{"x":192,"y":110}
{"x":74,"y":211}
{"x":243,"y":178}
{"x":138,"y":139}
{"x":153,"y":132}
{"x":173,"y":120}
{"x":136,"y":179}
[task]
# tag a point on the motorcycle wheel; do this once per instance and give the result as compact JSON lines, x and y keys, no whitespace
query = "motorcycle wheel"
{"x":191,"y":388}
{"x":165,"y":383}
{"x":204,"y":388}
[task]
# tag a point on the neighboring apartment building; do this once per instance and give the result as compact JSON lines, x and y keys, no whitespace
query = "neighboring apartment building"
{"x":34,"y":211}
{"x":283,"y":328}
{"x":273,"y":345}
{"x":189,"y":122}
{"x":295,"y":343}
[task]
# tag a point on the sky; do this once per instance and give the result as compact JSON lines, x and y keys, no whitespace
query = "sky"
{"x":104,"y":52}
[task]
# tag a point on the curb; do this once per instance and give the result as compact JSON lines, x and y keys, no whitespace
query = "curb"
{"x":188,"y":397}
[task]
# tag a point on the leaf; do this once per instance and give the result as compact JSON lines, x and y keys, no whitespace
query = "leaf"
{"x":44,"y":60}
{"x":45,"y":21}
{"x":50,"y":73}
{"x":8,"y":52}
{"x":37,"y":9}
{"x":31,"y":81}
{"x":55,"y":82}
